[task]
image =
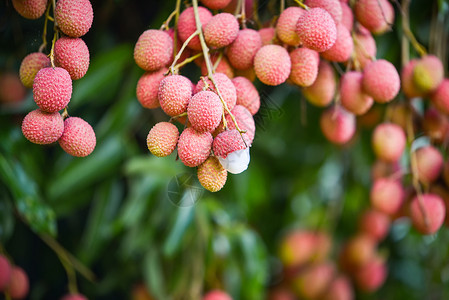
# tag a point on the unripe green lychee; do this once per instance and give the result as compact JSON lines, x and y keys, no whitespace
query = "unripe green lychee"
{"x":74,"y":18}
{"x":375,"y":15}
{"x":435,"y":212}
{"x":428,"y":73}
{"x":247,"y":94}
{"x":322,"y":91}
{"x":148,"y":87}
{"x":333,"y":7}
{"x":211,"y":174}
{"x":371,"y":276}
{"x":286,"y":25}
{"x":162,"y":139}
{"x":305,"y":64}
{"x":74,"y":297}
{"x":221,"y":30}
{"x":272,"y":64}
{"x":387,"y":195}
{"x":52,"y":89}
{"x":242,"y":51}
{"x":42,"y":128}
{"x":440,"y":97}
{"x":216,"y":295}
{"x":72,"y":54}
{"x":30,"y":65}
{"x":316,"y":29}
{"x":388,"y":142}
{"x":352,"y":96}
{"x":187,"y":25}
{"x":205,"y":111}
{"x":381,"y":81}
{"x":194,"y":147}
{"x":5,"y":272}
{"x":153,"y":50}
{"x":30,"y":9}
{"x":18,"y":286}
{"x":174,"y":94}
{"x":342,"y":49}
{"x":225,"y":87}
{"x":78,"y":138}
{"x":429,"y":163}
{"x":337,"y":125}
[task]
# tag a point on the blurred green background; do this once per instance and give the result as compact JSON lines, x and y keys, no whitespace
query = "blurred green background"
{"x":117,"y":210}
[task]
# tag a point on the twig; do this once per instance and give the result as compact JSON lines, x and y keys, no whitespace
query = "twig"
{"x":172,"y":68}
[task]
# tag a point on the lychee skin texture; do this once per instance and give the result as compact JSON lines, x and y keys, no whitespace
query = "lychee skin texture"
{"x":408,"y":85}
{"x":52,"y":89}
{"x":187,"y":25}
{"x":72,"y":54}
{"x":223,"y":67}
{"x":374,"y":17}
{"x":322,"y":91}
{"x":212,"y":175}
{"x":227,"y":142}
{"x":342,"y":49}
{"x":371,"y":276}
{"x":247,"y":94}
{"x":365,"y":48}
{"x":30,"y":65}
{"x":268,"y":35}
{"x":5,"y":272}
{"x":242,"y":51}
{"x":317,"y":30}
{"x":428,"y":73}
{"x":153,"y":50}
{"x":352,"y":96}
{"x":225,"y":87}
{"x":74,"y":297}
{"x":174,"y":94}
{"x":205,"y":111}
{"x":221,"y":30}
{"x":194,"y":147}
{"x":162,"y":139}
{"x":74,"y":18}
{"x":286,"y":25}
{"x":42,"y":128}
{"x":347,"y":16}
{"x":18,"y":286}
{"x":305,"y":64}
{"x":337,"y":125}
{"x":333,"y":7}
{"x":78,"y":138}
{"x":244,"y":120}
{"x":440,"y":97}
{"x":375,"y":224}
{"x":429,"y":163}
{"x":30,"y":9}
{"x":217,"y":295}
{"x":148,"y":87}
{"x":381,"y":81}
{"x":435,"y":212}
{"x":216,"y":4}
{"x":272,"y":64}
{"x":387,"y":195}
{"x":388,"y":142}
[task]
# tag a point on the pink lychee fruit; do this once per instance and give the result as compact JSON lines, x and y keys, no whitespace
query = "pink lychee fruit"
{"x":347,"y":16}
{"x":322,"y":91}
{"x":223,"y":66}
{"x":221,"y":30}
{"x":440,"y":97}
{"x":272,"y":64}
{"x":12,"y":91}
{"x":286,"y":25}
{"x":316,"y":29}
{"x":30,"y":65}
{"x":205,"y":111}
{"x":388,"y":142}
{"x":216,"y":295}
{"x":433,"y":218}
{"x":18,"y":286}
{"x":297,"y":248}
{"x":281,"y":293}
{"x":153,"y":50}
{"x":387,"y":195}
{"x":356,"y":252}
{"x":244,"y":120}
{"x":428,"y":73}
{"x":374,"y":224}
{"x":216,"y":4}
{"x":162,"y":139}
{"x":247,"y":94}
{"x":74,"y":18}
{"x":375,"y":15}
{"x":429,"y":163}
{"x":30,"y":9}
{"x":305,"y":63}
{"x":381,"y":81}
{"x":383,"y":169}
{"x":268,"y":35}
{"x":248,"y":74}
{"x":5,"y":272}
{"x":194,"y":147}
{"x":174,"y":94}
{"x":42,"y":128}
{"x":408,"y":85}
{"x":339,"y":289}
{"x":242,"y":51}
{"x":74,"y":297}
{"x":352,"y":96}
{"x":337,"y":125}
{"x":313,"y":281}
{"x":52,"y":89}
{"x":187,"y":25}
{"x":435,"y":125}
{"x":224,"y":86}
{"x":342,"y":49}
{"x":365,"y":48}
{"x":443,"y":192}
{"x":371,"y":276}
{"x":72,"y":54}
{"x":212,"y":175}
{"x":333,"y":7}
{"x":229,"y":141}
{"x":78,"y":138}
{"x":148,"y":87}
{"x":323,"y":246}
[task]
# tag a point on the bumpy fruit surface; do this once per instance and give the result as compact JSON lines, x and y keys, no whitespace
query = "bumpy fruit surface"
{"x":205,"y":111}
{"x":162,"y":139}
{"x":5,"y":272}
{"x":440,"y":97}
{"x":305,"y":64}
{"x":212,"y":175}
{"x":322,"y":91}
{"x":286,"y":25}
{"x":429,"y":163}
{"x":387,"y":195}
{"x":30,"y":65}
{"x":153,"y":50}
{"x":342,"y":49}
{"x":78,"y":138}
{"x":187,"y":25}
{"x":18,"y":286}
{"x":148,"y":87}
{"x":221,"y":30}
{"x":347,"y":16}
{"x":435,"y":212}
{"x":42,"y":128}
{"x":194,"y":147}
{"x":316,"y":29}
{"x":388,"y":142}
{"x":174,"y":94}
{"x":333,"y":7}
{"x":217,"y":295}
{"x":242,"y":51}
{"x":272,"y":64}
{"x":337,"y":125}
{"x":225,"y":87}
{"x":376,"y":15}
{"x":74,"y":297}
{"x":247,"y":94}
{"x":229,"y":141}
{"x":428,"y":73}
{"x":30,"y":9}
{"x":74,"y":18}
{"x":244,"y":120}
{"x":268,"y":35}
{"x":72,"y":54}
{"x":52,"y":89}
{"x":352,"y":96}
{"x":381,"y":81}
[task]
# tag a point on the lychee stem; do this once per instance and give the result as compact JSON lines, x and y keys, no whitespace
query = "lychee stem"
{"x":406,"y":29}
{"x":302,"y":5}
{"x":217,"y":62}
{"x":242,"y":13}
{"x":188,"y":60}
{"x":178,"y":116}
{"x":44,"y":33}
{"x":281,"y":9}
{"x":166,"y":23}
{"x":172,"y":68}
{"x":52,"y":51}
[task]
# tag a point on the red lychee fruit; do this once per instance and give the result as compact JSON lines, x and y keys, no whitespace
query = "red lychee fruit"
{"x":205,"y":111}
{"x":342,"y":49}
{"x":244,"y":120}
{"x":242,"y":51}
{"x":333,"y":7}
{"x":347,"y":16}
{"x":5,"y":272}
{"x":30,"y":65}
{"x":375,"y":15}
{"x":78,"y":138}
{"x":387,"y":195}
{"x":272,"y":64}
{"x":72,"y":54}
{"x":224,"y":85}
{"x":443,"y":192}
{"x":221,"y":30}
{"x":322,"y":91}
{"x":429,"y":163}
{"x":313,"y":281}
{"x":316,"y":29}
{"x":365,"y":48}
{"x":305,"y":63}
{"x":30,"y":9}
{"x":223,"y":66}
{"x":383,"y":169}
{"x":247,"y":94}
{"x":52,"y":89}
{"x":268,"y":35}
{"x":428,"y":73}
{"x":297,"y":248}
{"x":11,"y":89}
{"x":174,"y":94}
{"x":408,"y":85}
{"x":339,"y":289}
{"x":286,"y":25}
{"x":162,"y":139}
{"x":217,"y":295}
{"x":74,"y":297}
{"x":440,"y":97}
{"x":435,"y":212}
{"x":74,"y":18}
{"x":381,"y":81}
{"x":323,"y":246}
{"x":216,"y":4}
{"x":435,"y":125}
{"x":374,"y":224}
{"x":42,"y":128}
{"x":212,"y":175}
{"x":281,"y":294}
{"x":229,"y":141}
{"x":148,"y":87}
{"x":357,"y":251}
{"x":388,"y":142}
{"x":371,"y":276}
{"x":18,"y":286}
{"x":187,"y":25}
{"x":153,"y":50}
{"x":337,"y":125}
{"x":352,"y":96}
{"x":194,"y":147}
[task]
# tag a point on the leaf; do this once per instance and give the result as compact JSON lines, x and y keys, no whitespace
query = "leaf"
{"x":154,"y":277}
{"x":174,"y":240}
{"x":6,"y":218}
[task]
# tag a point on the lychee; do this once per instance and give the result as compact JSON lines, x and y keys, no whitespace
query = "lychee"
{"x":229,"y":141}
{"x":5,"y":272}
{"x":212,"y":175}
{"x":434,"y":209}
{"x":375,"y":15}
{"x":74,"y":297}
{"x":221,"y":30}
{"x":272,"y":64}
{"x":342,"y":49}
{"x":174,"y":94}
{"x":357,"y":251}
{"x":347,"y":16}
{"x":316,"y":29}
{"x":407,"y":82}
{"x":268,"y":35}
{"x":322,"y":91}
{"x":429,"y":163}
{"x":187,"y":25}
{"x":371,"y":276}
{"x":337,"y":125}
{"x":381,"y":81}
{"x":30,"y":9}
{"x":153,"y":50}
{"x":224,"y":86}
{"x":242,"y":51}
{"x":365,"y":48}
{"x":435,"y":125}
{"x":148,"y":87}
{"x":388,"y":142}
{"x":247,"y":94}
{"x":333,"y":7}
{"x":30,"y":65}
{"x":375,"y":224}
{"x":339,"y":289}
{"x":352,"y":96}
{"x":216,"y":4}
{"x":52,"y":89}
{"x":74,"y":18}
{"x":440,"y":97}
{"x":194,"y":147}
{"x":216,"y":295}
{"x":244,"y":120}
{"x":428,"y":73}
{"x":18,"y":286}
{"x":72,"y":54}
{"x":383,"y":169}
{"x":286,"y":25}
{"x":387,"y":195}
{"x":11,"y":89}
{"x":205,"y":111}
{"x":78,"y":138}
{"x":223,"y":66}
{"x":162,"y":139}
{"x":42,"y":128}
{"x":312,"y":282}
{"x":297,"y":248}
{"x":305,"y":64}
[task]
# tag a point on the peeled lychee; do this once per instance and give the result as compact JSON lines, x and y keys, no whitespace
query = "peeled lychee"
{"x":74,"y":297}
{"x":229,"y":141}
{"x":148,"y":87}
{"x":381,"y":81}
{"x":212,"y":175}
{"x":52,"y":89}
{"x":174,"y":94}
{"x":216,"y":4}
{"x":440,"y":97}
{"x":435,"y":212}
{"x":18,"y":286}
{"x":429,"y":163}
{"x":30,"y":9}
{"x":387,"y":195}
{"x":388,"y":142}
{"x":375,"y":15}
{"x":162,"y":139}
{"x":337,"y":125}
{"x":153,"y":50}
{"x":74,"y":18}
{"x":305,"y":64}
{"x":187,"y":25}
{"x":247,"y":94}
{"x":352,"y":96}
{"x":216,"y":295}
{"x":72,"y":54}
{"x":365,"y":48}
{"x":322,"y":91}
{"x":342,"y":49}
{"x":224,"y":85}
{"x":316,"y":29}
{"x":221,"y":30}
{"x":272,"y":64}
{"x":194,"y":147}
{"x":78,"y":138}
{"x":5,"y":272}
{"x":42,"y":128}
{"x":428,"y":73}
{"x":205,"y":111}
{"x":375,"y":224}
{"x":371,"y":276}
{"x":286,"y":25}
{"x":333,"y":7}
{"x":30,"y":65}
{"x":242,"y":51}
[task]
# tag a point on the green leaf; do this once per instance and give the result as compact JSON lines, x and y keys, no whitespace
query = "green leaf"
{"x":153,"y":274}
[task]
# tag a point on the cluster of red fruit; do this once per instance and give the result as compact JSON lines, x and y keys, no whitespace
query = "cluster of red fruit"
{"x":51,"y":78}
{"x":13,"y":280}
